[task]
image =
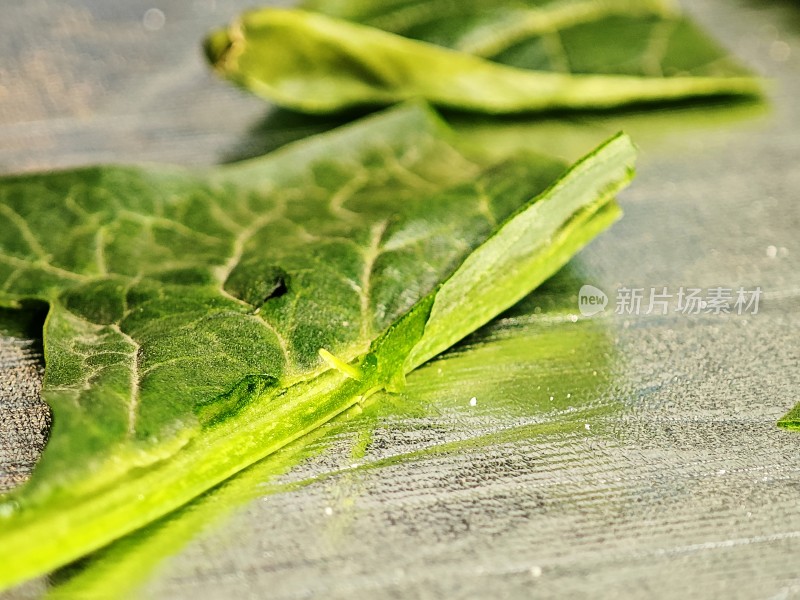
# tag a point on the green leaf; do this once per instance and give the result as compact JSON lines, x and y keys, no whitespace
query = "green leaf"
{"x":201,"y":321}
{"x":494,"y":57}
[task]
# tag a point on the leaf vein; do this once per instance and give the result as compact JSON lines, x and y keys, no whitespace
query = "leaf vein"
{"x":133,"y":396}
{"x":24,"y":263}
{"x":24,"y":229}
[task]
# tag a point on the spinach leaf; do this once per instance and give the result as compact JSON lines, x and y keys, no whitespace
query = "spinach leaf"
{"x":201,"y":321}
{"x":494,"y":57}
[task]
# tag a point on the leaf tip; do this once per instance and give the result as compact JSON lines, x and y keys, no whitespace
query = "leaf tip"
{"x":217,"y":45}
{"x":223,"y":46}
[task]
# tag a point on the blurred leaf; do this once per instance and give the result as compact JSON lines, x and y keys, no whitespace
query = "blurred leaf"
{"x":493,"y":57}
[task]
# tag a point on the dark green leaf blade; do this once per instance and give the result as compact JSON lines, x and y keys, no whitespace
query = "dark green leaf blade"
{"x":123,"y":246}
{"x":196,"y":376}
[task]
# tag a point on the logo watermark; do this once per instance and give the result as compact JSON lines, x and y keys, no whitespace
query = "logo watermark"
{"x":664,"y":300}
{"x":591,"y":300}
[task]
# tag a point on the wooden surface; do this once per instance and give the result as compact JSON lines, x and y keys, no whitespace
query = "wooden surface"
{"x":687,"y":489}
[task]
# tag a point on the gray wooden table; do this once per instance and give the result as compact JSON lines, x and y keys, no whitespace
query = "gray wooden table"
{"x":686,"y":488}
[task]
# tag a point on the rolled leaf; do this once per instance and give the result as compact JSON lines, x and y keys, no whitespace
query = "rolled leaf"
{"x":492,"y":57}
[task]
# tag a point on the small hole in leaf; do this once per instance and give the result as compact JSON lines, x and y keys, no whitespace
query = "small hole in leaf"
{"x":256,"y":284}
{"x":278,"y":290}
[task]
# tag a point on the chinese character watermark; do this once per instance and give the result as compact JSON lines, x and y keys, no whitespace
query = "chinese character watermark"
{"x":663,"y":301}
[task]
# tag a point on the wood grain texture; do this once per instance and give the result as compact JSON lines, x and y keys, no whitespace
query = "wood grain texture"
{"x":688,"y":489}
